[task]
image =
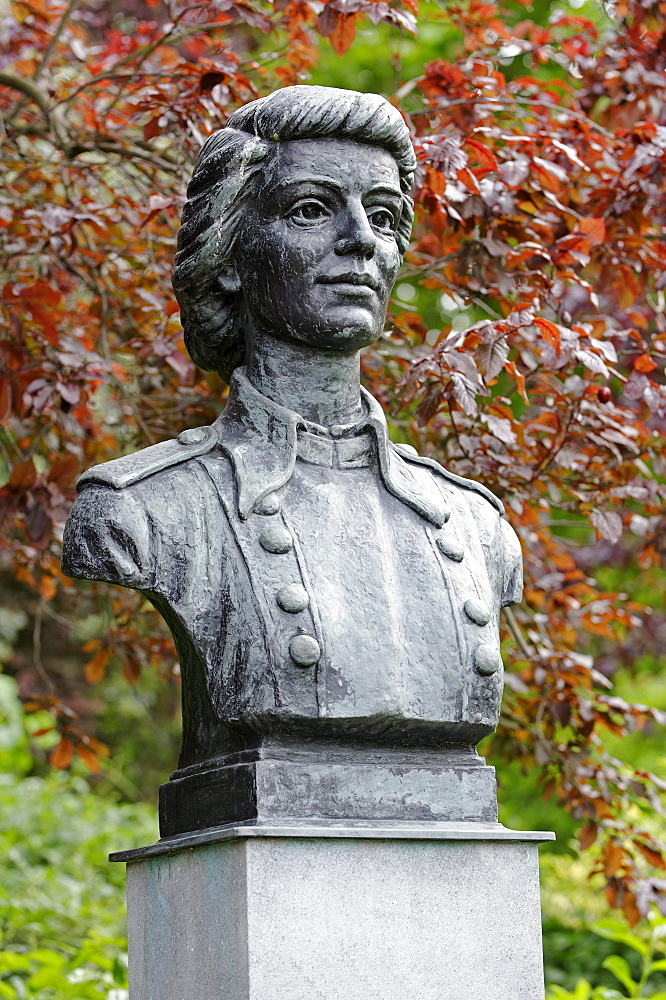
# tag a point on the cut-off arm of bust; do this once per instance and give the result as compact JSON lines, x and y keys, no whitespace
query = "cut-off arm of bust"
{"x":108,"y":538}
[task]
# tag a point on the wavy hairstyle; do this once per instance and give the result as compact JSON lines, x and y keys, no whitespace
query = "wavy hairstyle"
{"x":224,"y":179}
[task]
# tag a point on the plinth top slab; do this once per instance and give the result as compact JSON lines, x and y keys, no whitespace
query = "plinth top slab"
{"x":358,"y":830}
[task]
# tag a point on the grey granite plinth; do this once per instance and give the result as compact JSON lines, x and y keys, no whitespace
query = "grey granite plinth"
{"x":338,"y":913}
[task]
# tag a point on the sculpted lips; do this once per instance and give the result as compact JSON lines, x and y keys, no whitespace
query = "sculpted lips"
{"x":360,"y":280}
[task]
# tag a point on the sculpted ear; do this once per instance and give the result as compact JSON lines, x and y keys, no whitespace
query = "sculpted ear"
{"x":228,"y":280}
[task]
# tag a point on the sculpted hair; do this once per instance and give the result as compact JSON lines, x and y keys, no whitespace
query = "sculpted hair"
{"x":224,"y":179}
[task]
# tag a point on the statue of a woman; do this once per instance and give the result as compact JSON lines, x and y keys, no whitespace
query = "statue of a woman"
{"x":334,"y":598}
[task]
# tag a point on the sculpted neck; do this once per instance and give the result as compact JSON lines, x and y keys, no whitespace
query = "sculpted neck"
{"x":323,"y":387}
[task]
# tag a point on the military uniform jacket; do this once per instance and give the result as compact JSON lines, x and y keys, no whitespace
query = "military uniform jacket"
{"x":321,"y":579}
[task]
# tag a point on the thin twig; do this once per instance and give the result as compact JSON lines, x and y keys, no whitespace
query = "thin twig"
{"x":20,"y":454}
{"x":121,"y":782}
{"x":131,"y":152}
{"x":550,"y":456}
{"x":517,"y":633}
{"x":443,"y":105}
{"x":455,"y":428}
{"x":65,"y":622}
{"x":37,"y":646}
{"x":56,"y":38}
{"x":142,"y":54}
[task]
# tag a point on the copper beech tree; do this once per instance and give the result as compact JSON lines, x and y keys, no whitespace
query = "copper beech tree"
{"x":541,"y":204}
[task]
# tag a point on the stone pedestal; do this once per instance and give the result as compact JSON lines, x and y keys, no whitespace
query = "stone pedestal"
{"x":359,"y":911}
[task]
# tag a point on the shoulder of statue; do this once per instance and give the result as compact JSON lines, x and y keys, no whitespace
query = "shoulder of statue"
{"x":130,"y":469}
{"x":410,"y":454}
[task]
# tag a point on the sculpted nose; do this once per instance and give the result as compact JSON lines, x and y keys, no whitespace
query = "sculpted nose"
{"x":357,"y":237}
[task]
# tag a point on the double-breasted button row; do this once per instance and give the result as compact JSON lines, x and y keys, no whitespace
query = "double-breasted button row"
{"x":293,"y":597}
{"x":304,"y":650}
{"x":269,"y":505}
{"x":194,"y":435}
{"x":477,"y":612}
{"x":276,"y":538}
{"x":487,"y":659}
{"x":451,"y":548}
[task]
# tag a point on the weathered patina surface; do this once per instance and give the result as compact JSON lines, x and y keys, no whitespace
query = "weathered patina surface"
{"x":332,"y":596}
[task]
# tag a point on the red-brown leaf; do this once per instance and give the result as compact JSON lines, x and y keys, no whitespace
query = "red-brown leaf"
{"x":61,"y":756}
{"x":630,"y":909}
{"x":210,"y":80}
{"x":131,"y":669}
{"x":95,"y":669}
{"x":23,"y":476}
{"x":152,"y":128}
{"x":594,"y":229}
{"x":613,"y":858}
{"x":484,"y":155}
{"x":344,"y":33}
{"x":588,"y":835}
{"x":655,"y":858}
{"x":550,"y":331}
{"x":645,"y":364}
{"x":64,"y":470}
{"x":88,"y":756}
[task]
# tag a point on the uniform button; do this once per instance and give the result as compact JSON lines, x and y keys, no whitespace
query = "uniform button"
{"x":304,"y":650}
{"x":293,"y":598}
{"x":275,"y":538}
{"x":487,"y":659}
{"x":269,"y":505}
{"x":450,"y":548}
{"x":477,"y":612}
{"x":195,"y":435}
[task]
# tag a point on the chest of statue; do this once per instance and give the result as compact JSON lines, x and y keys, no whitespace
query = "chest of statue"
{"x":344,"y":605}
{"x":357,"y":597}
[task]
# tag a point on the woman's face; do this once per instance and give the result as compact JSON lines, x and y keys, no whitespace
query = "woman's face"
{"x":316,"y":254}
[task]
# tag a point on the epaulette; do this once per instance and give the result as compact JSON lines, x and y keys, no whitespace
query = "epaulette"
{"x":130,"y":469}
{"x":411,"y":455}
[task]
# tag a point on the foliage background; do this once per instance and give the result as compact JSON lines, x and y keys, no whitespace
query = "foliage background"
{"x":525,"y":346}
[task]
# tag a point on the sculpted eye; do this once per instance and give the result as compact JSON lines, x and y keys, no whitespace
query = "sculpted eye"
{"x":382,"y":219}
{"x":309,"y":213}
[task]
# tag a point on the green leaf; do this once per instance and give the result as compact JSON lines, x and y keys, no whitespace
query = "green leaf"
{"x":658,"y":927}
{"x":659,"y":966}
{"x":615,"y":930}
{"x":120,"y":972}
{"x":583,"y":991}
{"x":620,"y":969}
{"x":11,"y":961}
{"x":51,"y":975}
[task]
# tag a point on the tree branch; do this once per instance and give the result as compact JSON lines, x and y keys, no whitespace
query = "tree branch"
{"x":56,"y":38}
{"x":28,"y":88}
{"x":31,"y":90}
{"x":141,"y":54}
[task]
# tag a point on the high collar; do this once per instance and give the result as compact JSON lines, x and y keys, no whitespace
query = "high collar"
{"x":261,"y":439}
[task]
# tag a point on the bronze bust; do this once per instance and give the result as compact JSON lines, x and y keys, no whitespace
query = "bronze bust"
{"x":334,"y":598}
